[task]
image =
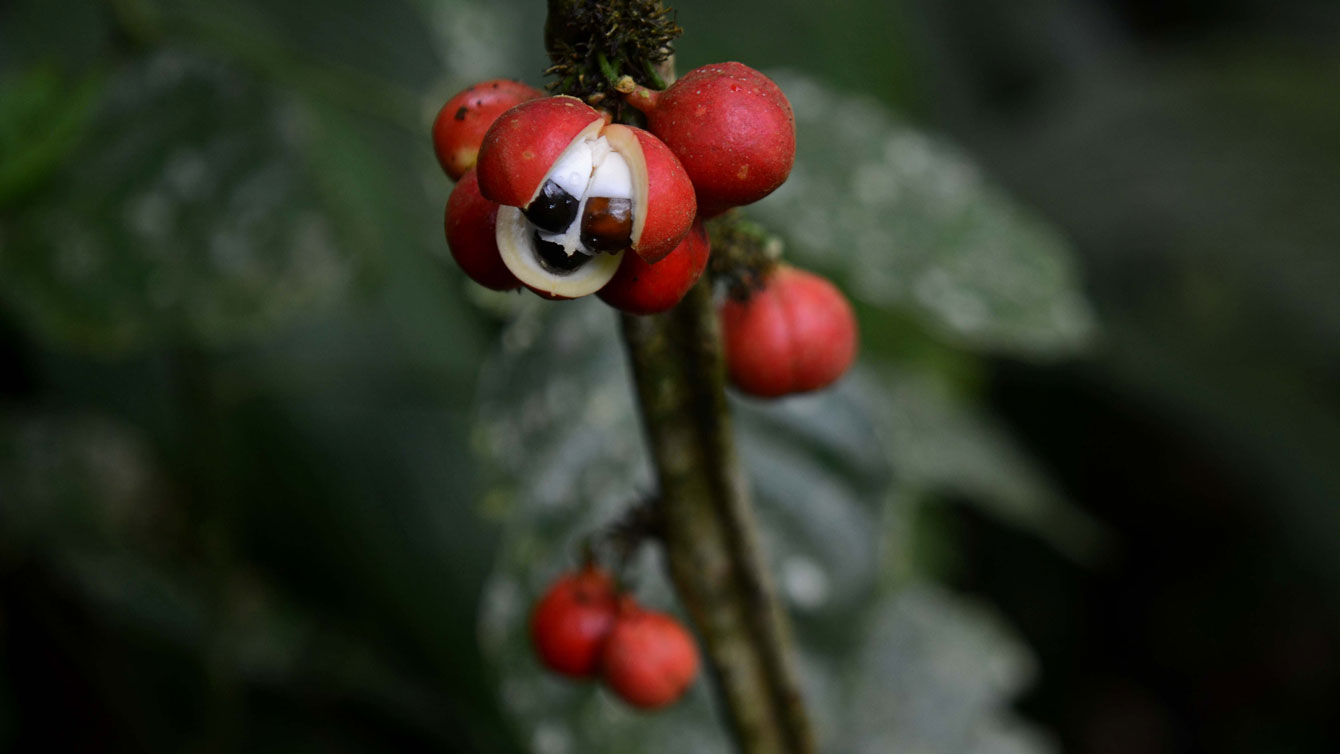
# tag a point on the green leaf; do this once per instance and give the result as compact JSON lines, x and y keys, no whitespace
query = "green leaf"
{"x":943,"y":672}
{"x":85,"y":504}
{"x":368,"y":57}
{"x":943,"y":445}
{"x":78,"y":481}
{"x":191,"y":217}
{"x":42,"y":118}
{"x":558,"y":426}
{"x":1220,"y":305}
{"x":905,"y":221}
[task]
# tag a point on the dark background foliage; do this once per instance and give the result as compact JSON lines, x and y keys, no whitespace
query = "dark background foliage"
{"x":240,"y":500}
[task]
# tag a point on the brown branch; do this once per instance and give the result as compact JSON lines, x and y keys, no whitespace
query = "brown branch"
{"x":711,"y":536}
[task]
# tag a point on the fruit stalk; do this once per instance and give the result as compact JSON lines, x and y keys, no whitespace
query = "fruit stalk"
{"x":710,"y":533}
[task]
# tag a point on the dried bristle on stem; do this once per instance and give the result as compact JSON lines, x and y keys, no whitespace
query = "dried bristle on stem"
{"x":744,"y":253}
{"x":598,"y":42}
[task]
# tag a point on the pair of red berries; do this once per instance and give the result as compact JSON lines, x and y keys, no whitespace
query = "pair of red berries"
{"x":559,"y":195}
{"x":584,"y":628}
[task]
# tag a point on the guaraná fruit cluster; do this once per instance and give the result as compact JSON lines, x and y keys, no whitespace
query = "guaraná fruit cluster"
{"x":584,"y":628}
{"x":553,"y":196}
{"x":569,"y":203}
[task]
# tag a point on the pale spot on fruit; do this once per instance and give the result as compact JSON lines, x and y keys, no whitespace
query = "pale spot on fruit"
{"x":744,"y":171}
{"x":527,"y":155}
{"x":700,"y":111}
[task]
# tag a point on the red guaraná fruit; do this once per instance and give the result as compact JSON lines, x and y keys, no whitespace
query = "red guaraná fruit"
{"x":470,"y":236}
{"x":794,"y":335}
{"x":460,"y":125}
{"x":641,"y":288}
{"x":732,"y":129}
{"x":577,"y":192}
{"x":572,"y":622}
{"x":650,"y":660}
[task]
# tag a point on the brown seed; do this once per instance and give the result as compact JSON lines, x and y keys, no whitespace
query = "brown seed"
{"x":607,"y":224}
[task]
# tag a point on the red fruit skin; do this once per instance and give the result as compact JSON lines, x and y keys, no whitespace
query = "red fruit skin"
{"x":460,"y":125}
{"x":523,"y":143}
{"x":469,"y":224}
{"x":641,"y":288}
{"x":650,"y":659}
{"x":732,"y":129}
{"x":670,"y":203}
{"x":571,"y":624}
{"x":795,"y":335}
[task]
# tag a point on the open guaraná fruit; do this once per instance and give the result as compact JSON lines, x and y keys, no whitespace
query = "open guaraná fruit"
{"x":577,"y":192}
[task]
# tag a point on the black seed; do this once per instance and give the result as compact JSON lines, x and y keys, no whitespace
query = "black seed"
{"x":553,"y":210}
{"x":555,"y":259}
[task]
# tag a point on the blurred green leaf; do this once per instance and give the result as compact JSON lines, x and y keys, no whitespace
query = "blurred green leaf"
{"x":385,"y":41}
{"x":84,"y":503}
{"x":827,"y":38}
{"x":42,"y":118}
{"x":191,"y":217}
{"x":79,"y":481}
{"x":906,"y":222}
{"x":65,"y":35}
{"x":1220,"y":305}
{"x":371,"y":58}
{"x":942,"y":445}
{"x":943,"y":673}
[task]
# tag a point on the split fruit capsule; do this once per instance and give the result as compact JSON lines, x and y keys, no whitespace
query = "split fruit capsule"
{"x":577,"y":192}
{"x":462,"y":122}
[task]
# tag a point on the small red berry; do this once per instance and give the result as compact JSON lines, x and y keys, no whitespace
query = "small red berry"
{"x":796,"y":334}
{"x":650,"y":659}
{"x":460,"y":125}
{"x":730,"y":126}
{"x":572,"y":622}
{"x":641,"y":288}
{"x":470,"y":236}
